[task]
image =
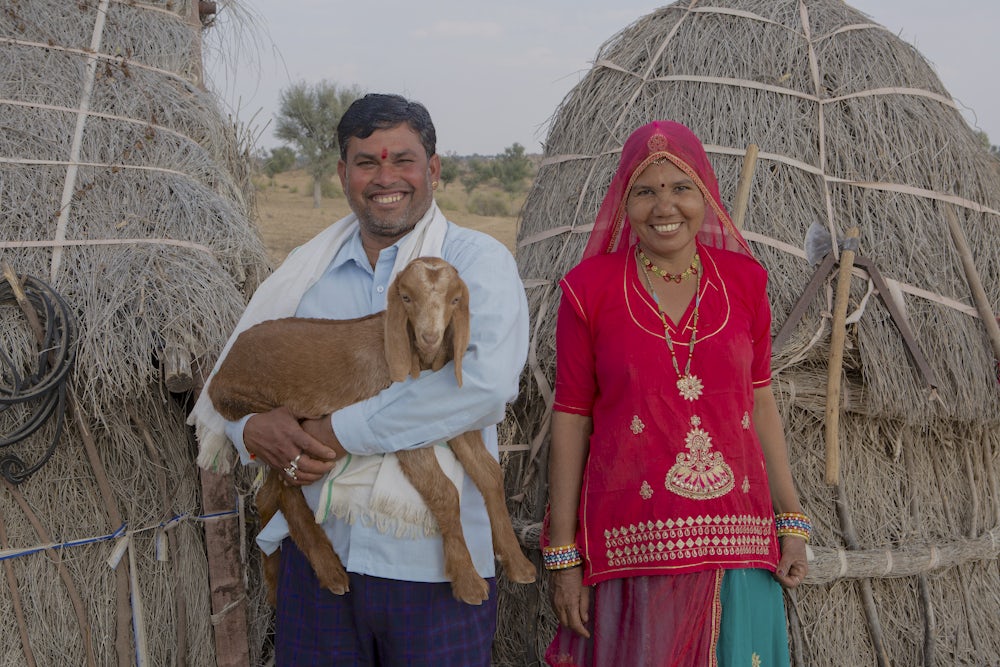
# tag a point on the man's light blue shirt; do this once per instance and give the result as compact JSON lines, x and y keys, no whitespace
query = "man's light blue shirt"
{"x":431,"y":408}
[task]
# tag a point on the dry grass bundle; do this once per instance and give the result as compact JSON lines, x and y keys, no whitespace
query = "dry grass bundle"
{"x":122,"y":186}
{"x":853,"y":128}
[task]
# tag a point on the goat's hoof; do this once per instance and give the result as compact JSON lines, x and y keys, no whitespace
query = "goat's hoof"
{"x":519,"y":569}
{"x":470,"y":589}
{"x":335,"y":582}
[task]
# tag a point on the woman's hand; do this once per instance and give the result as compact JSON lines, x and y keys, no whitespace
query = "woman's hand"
{"x":793,"y":566}
{"x":278,"y":439}
{"x":571,"y":599}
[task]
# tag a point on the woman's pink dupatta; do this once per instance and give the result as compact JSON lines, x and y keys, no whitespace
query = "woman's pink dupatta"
{"x":662,"y":139}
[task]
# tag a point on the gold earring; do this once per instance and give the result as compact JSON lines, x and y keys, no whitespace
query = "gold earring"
{"x":434,"y":185}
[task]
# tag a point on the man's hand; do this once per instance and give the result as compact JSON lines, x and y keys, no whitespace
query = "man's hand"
{"x":279,"y":440}
{"x":321,"y":429}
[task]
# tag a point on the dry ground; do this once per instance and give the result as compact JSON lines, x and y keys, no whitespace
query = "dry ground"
{"x":287,"y":217}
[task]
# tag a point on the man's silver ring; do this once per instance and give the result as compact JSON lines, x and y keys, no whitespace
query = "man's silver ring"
{"x":294,"y":463}
{"x":291,"y":471}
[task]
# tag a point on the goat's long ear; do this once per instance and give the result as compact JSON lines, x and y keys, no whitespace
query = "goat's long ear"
{"x":397,"y":339}
{"x":460,"y":332}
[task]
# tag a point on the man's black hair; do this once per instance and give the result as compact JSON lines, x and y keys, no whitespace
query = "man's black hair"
{"x":377,"y":111}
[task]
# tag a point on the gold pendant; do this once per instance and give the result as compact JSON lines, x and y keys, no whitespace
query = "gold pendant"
{"x":690,"y":387}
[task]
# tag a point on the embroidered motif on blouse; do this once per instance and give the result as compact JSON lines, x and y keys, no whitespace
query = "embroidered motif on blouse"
{"x":636,"y":426}
{"x":746,"y":484}
{"x":646,"y":491}
{"x":746,"y":421}
{"x":755,"y":660}
{"x":694,"y":537}
{"x":702,"y":474}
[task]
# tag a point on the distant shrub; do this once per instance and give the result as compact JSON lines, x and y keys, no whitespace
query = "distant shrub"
{"x":491,"y":205}
{"x":280,"y":160}
{"x":331,"y":190}
{"x":262,"y":182}
{"x":446,"y":203}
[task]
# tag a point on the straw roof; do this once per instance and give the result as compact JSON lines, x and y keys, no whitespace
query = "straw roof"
{"x":853,"y":129}
{"x":124,"y":189}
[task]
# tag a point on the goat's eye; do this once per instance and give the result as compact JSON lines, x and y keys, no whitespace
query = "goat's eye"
{"x":405,"y":298}
{"x":455,"y":301}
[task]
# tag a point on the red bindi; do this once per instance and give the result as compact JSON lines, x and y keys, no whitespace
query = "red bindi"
{"x":385,"y":153}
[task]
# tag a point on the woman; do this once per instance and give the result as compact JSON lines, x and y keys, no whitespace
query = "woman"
{"x":669,"y":481}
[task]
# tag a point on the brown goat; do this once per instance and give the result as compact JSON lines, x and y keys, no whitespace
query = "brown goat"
{"x":317,"y":366}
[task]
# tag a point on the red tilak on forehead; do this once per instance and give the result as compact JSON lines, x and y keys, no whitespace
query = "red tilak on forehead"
{"x":385,"y":153}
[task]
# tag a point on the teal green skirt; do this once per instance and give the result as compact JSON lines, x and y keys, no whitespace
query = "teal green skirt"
{"x":752,"y":631}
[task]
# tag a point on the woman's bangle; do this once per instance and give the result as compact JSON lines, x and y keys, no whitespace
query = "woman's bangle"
{"x":561,"y":558}
{"x":793,"y":523}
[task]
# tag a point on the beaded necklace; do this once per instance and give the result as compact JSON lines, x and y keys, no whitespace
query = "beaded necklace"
{"x":666,"y":275}
{"x":689,"y":386}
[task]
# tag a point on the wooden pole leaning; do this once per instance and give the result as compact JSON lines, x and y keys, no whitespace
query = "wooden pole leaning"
{"x":742,"y":200}
{"x":835,"y":369}
{"x":986,"y":312}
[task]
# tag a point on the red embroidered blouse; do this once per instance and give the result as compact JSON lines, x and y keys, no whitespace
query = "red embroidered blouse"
{"x":675,"y":480}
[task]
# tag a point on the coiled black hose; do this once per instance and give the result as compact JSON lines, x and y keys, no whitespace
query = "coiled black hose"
{"x":43,"y":392}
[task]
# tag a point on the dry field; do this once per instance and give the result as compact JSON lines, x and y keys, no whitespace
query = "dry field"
{"x":287,"y":217}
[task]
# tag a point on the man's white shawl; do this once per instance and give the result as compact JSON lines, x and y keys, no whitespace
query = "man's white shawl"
{"x":368,"y":487}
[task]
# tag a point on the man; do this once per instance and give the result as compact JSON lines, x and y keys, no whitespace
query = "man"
{"x":400,"y":608}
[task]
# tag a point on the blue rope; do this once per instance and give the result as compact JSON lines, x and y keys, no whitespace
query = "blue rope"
{"x":121,"y":531}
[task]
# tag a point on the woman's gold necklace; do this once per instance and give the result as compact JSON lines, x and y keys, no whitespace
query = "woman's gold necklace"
{"x":672,"y":277}
{"x":689,"y":386}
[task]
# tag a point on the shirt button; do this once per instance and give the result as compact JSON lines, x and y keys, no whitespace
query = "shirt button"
{"x":379,"y":289}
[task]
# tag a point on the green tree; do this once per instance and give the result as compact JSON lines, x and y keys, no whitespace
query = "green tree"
{"x":512,"y":168}
{"x":450,"y":170}
{"x":509,"y":170}
{"x":307,"y":118}
{"x":479,"y":171}
{"x":280,"y":160}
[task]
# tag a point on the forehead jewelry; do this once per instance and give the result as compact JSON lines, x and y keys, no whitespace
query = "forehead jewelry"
{"x":689,"y":386}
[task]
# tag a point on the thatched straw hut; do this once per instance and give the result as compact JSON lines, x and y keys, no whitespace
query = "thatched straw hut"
{"x":124,"y":190}
{"x":853,"y":129}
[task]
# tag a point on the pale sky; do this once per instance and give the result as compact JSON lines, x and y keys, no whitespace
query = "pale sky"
{"x":492,"y":75}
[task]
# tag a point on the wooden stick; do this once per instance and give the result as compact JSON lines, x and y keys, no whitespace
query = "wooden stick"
{"x":866,"y":590}
{"x":837,"y":338}
{"x":79,"y":608}
{"x":743,"y":186}
{"x":173,"y":550}
{"x":986,"y":312}
{"x":15,"y":601}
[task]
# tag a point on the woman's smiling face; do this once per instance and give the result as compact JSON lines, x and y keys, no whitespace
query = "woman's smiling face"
{"x":666,"y":209}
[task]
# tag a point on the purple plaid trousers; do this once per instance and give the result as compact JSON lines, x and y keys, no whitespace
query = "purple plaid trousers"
{"x":379,"y":623}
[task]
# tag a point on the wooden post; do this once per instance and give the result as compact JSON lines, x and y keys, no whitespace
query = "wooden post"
{"x":228,"y":592}
{"x":986,"y":312}
{"x":177,"y":375}
{"x":742,"y":200}
{"x":837,"y":337}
